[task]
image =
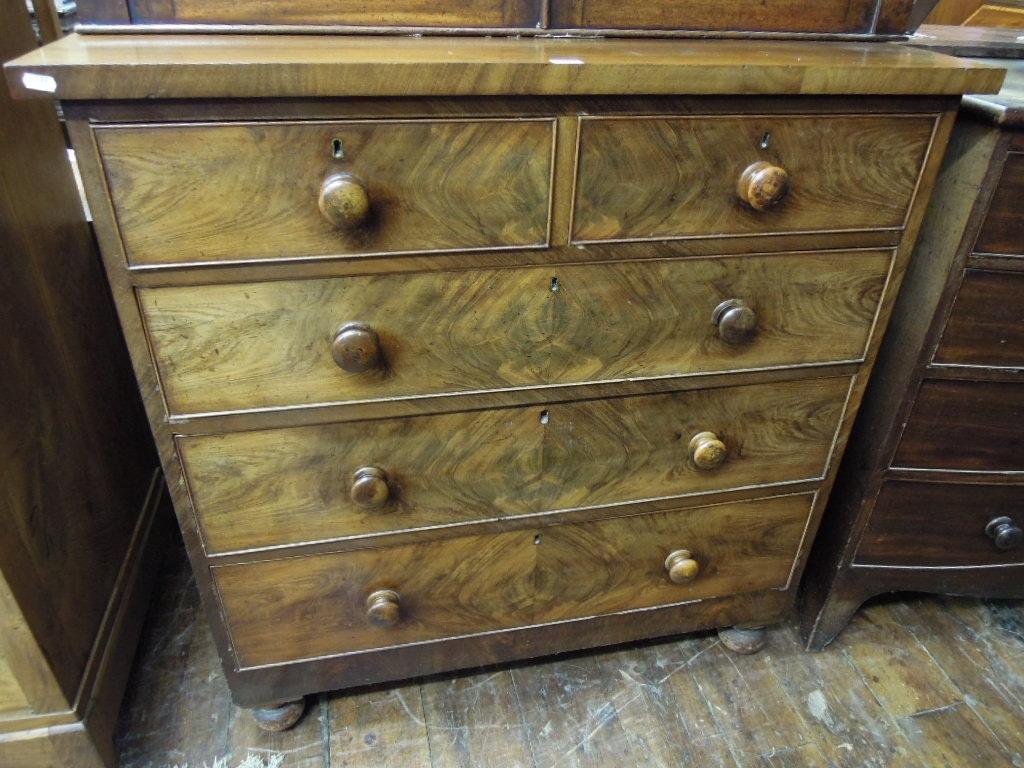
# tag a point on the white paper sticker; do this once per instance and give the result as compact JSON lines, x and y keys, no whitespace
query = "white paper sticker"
{"x":564,"y":60}
{"x":35,"y":82}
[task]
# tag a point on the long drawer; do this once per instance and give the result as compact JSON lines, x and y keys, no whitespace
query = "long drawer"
{"x":986,"y":325}
{"x":1003,"y":230}
{"x":276,"y":190}
{"x":945,"y":525}
{"x":322,"y":605}
{"x":260,"y":345}
{"x":965,"y":425}
{"x":286,"y":486}
{"x":679,"y":177}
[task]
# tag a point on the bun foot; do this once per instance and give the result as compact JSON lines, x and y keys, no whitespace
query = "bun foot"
{"x":281,"y":717}
{"x":743,"y":641}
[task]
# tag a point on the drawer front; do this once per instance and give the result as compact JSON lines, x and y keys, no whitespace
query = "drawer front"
{"x":369,"y":13}
{"x":986,"y":326}
{"x":778,"y":16}
{"x":233,"y":347}
{"x":285,"y":486}
{"x":678,"y":177}
{"x":939,"y":525}
{"x":968,"y":425}
{"x":305,"y":607}
{"x":255,"y":191}
{"x":1003,"y":230}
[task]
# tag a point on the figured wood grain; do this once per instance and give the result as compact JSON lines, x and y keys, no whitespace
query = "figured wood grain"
{"x":375,"y":13}
{"x":986,"y":325}
{"x":939,"y":525}
{"x":298,"y":608}
{"x":272,"y":487}
{"x":253,"y":66}
{"x":249,"y":191}
{"x":782,"y":16}
{"x":259,"y":345}
{"x":965,"y":425}
{"x":1003,"y":230}
{"x":845,"y":172}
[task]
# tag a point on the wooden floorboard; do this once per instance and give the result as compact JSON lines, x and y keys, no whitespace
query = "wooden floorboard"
{"x":916,"y":681}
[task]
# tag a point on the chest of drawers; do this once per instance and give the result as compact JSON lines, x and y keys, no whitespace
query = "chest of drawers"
{"x":466,"y":351}
{"x":931,"y":494}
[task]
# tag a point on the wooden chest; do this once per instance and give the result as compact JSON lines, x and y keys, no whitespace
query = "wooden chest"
{"x":931,"y":494}
{"x":850,"y":19}
{"x":465,"y":351}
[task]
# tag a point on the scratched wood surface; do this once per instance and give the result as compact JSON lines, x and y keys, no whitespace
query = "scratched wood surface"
{"x":914,"y":681}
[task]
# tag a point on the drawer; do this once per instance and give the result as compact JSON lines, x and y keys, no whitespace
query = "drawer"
{"x":778,"y":16}
{"x":1003,"y":230}
{"x":264,"y":345}
{"x":938,"y":525}
{"x":368,"y":13}
{"x":304,"y":607}
{"x":298,"y":484}
{"x":279,"y":190}
{"x":986,"y":325}
{"x":966,"y":425}
{"x":682,"y":177}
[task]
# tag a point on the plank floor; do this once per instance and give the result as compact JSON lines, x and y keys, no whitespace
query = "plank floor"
{"x":913,"y":681}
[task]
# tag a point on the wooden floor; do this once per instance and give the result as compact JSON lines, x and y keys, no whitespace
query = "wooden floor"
{"x":914,"y":681}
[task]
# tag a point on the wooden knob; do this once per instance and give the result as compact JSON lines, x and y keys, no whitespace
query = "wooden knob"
{"x":356,"y":348}
{"x":370,"y":488}
{"x":344,"y":201}
{"x":384,"y":608}
{"x":762,"y":185}
{"x":681,"y":566}
{"x":1004,"y":533}
{"x":707,"y":451}
{"x":736,"y":321}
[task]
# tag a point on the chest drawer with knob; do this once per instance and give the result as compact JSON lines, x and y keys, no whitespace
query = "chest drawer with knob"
{"x":336,"y":603}
{"x":287,"y":343}
{"x":265,"y":488}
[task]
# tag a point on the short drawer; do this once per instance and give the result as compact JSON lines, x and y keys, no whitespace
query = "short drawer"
{"x":298,"y":484}
{"x":331,"y":604}
{"x":265,"y":345}
{"x":685,"y":177}
{"x":986,"y":326}
{"x":280,"y":190}
{"x":965,"y":425}
{"x":1003,"y":230}
{"x":944,"y":525}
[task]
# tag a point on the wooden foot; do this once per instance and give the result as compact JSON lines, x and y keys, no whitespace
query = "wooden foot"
{"x":744,"y":641}
{"x":280,"y":717}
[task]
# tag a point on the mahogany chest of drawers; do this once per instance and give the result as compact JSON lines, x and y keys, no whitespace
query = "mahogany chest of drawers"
{"x":930,"y":495}
{"x":460,"y":351}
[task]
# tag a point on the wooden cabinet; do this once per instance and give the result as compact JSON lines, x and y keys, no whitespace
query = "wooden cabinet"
{"x":931,"y":493}
{"x":81,"y":519}
{"x":526,"y":360}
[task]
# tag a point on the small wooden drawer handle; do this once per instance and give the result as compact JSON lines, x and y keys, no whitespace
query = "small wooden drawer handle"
{"x":370,"y":488}
{"x":681,"y":566}
{"x":1004,"y":533}
{"x":356,"y":348}
{"x":762,"y":185}
{"x":707,"y":451}
{"x":344,"y":201}
{"x":384,"y":608}
{"x":735,"y":320}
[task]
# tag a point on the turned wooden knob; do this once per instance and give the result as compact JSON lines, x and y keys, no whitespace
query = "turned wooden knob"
{"x":736,"y":322}
{"x":707,"y":451}
{"x":762,"y":185}
{"x":384,"y":608}
{"x":370,"y":488}
{"x":356,"y":348}
{"x":344,"y":201}
{"x":681,"y":566}
{"x":1004,"y":533}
